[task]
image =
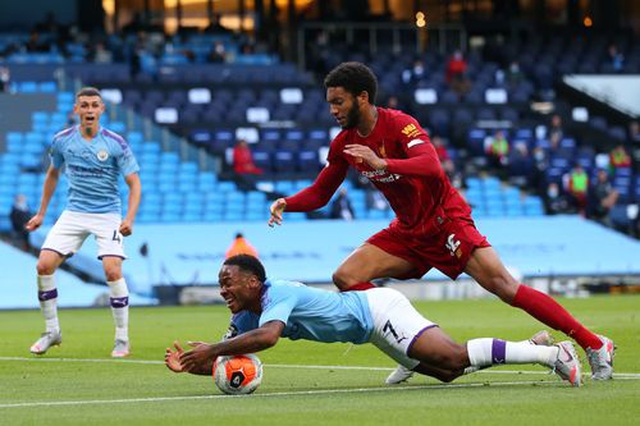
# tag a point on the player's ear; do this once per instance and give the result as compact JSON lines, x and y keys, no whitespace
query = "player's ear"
{"x":363,"y":98}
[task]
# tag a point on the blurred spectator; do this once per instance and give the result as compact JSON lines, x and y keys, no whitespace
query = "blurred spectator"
{"x":577,"y":185}
{"x":619,"y":158}
{"x":602,"y":198}
{"x":34,"y":45}
{"x":497,"y":148}
{"x":514,"y":74}
{"x":101,"y":55}
{"x":540,"y":165}
{"x":375,"y":199}
{"x":634,"y":132}
{"x":341,"y":207}
{"x":555,"y":128}
{"x":240,"y":245}
{"x":71,"y":119}
{"x":218,"y":53}
{"x":5,"y":79}
{"x":415,"y":74}
{"x":135,"y":62}
{"x":616,"y":59}
{"x":243,"y":159}
{"x":555,"y":201}
{"x":216,"y":26}
{"x":19,"y":217}
{"x":634,"y":139}
{"x":456,"y":73}
{"x":440,"y":147}
{"x":455,"y":176}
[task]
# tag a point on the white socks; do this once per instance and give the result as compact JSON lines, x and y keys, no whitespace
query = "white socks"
{"x":48,"y":297}
{"x":119,"y":296}
{"x":486,"y":352}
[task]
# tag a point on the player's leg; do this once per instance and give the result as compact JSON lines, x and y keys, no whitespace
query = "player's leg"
{"x":402,"y":373}
{"x":435,"y":348}
{"x":485,"y":267}
{"x":367,"y":263}
{"x":119,"y":298}
{"x":48,"y":263}
{"x":111,"y":252}
{"x":65,"y":238}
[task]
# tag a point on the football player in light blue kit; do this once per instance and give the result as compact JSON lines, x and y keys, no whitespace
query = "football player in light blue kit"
{"x":94,"y":158}
{"x":265,"y":310}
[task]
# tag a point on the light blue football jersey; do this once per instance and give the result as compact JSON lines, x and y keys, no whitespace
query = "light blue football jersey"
{"x":92,"y":168}
{"x":310,"y":313}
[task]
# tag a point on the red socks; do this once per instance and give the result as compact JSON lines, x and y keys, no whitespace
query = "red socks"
{"x":360,"y":286}
{"x":546,"y":310}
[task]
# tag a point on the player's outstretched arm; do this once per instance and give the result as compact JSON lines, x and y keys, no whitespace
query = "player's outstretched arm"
{"x":48,"y":188}
{"x":276,"y":210}
{"x":135,"y":190}
{"x":252,"y":341}
{"x":172,"y":361}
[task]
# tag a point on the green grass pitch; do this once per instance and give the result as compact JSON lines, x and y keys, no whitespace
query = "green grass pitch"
{"x":305,"y":383}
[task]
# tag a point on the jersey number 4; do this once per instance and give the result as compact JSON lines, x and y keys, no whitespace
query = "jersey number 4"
{"x":116,"y":236}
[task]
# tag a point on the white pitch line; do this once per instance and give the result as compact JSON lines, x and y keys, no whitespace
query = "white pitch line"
{"x":267,"y":395}
{"x":295,"y":366}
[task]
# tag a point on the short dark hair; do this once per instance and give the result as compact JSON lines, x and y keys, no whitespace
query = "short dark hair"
{"x":355,"y":77}
{"x":89,"y":91}
{"x":248,"y":263}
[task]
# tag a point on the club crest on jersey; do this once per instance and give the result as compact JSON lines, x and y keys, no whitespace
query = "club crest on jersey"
{"x":102,"y":155}
{"x":453,"y":246}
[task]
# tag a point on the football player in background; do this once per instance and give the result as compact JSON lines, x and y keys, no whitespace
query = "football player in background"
{"x":265,"y":310}
{"x":433,"y":227}
{"x":94,"y":157}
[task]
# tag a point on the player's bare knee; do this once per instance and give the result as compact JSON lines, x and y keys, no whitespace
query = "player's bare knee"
{"x":505,"y":288}
{"x":113,"y":274}
{"x":45,"y":267}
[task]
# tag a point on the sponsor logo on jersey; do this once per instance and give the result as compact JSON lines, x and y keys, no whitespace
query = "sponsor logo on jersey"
{"x":380,"y":176}
{"x":102,"y":155}
{"x":453,"y":246}
{"x":410,"y":130}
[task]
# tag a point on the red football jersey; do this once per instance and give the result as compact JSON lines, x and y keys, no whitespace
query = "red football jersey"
{"x":414,"y":182}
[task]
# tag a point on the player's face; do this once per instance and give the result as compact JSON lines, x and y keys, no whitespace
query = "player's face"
{"x":89,"y":109}
{"x":237,"y":288}
{"x":344,"y":107}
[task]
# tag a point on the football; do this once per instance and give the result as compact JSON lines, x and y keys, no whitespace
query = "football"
{"x":237,"y":374}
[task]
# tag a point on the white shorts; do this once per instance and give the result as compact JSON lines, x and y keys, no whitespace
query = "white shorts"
{"x":72,"y":228}
{"x":396,"y":324}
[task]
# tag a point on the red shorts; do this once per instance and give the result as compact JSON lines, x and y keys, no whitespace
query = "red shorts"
{"x":448,"y":250}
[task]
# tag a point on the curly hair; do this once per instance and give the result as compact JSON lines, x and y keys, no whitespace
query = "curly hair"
{"x":248,"y":263}
{"x":355,"y":78}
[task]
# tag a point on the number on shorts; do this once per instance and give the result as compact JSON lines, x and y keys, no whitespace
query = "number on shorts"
{"x":389,"y":328}
{"x":116,"y":236}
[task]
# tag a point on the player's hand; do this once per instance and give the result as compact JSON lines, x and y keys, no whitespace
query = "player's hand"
{"x":172,"y":358}
{"x":196,"y":357}
{"x":366,"y":154}
{"x":126,"y":227}
{"x":34,"y":223}
{"x":276,"y":209}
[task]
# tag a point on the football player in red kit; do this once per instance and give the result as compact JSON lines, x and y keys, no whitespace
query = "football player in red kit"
{"x":433,"y":225}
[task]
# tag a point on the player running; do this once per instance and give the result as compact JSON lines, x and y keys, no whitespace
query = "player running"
{"x":94,"y":157}
{"x":265,"y":310}
{"x":433,"y":227}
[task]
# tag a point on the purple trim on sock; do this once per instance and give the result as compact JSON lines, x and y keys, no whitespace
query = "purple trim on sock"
{"x":498,"y":351}
{"x":47,"y":295}
{"x":119,"y":302}
{"x":418,"y":335}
